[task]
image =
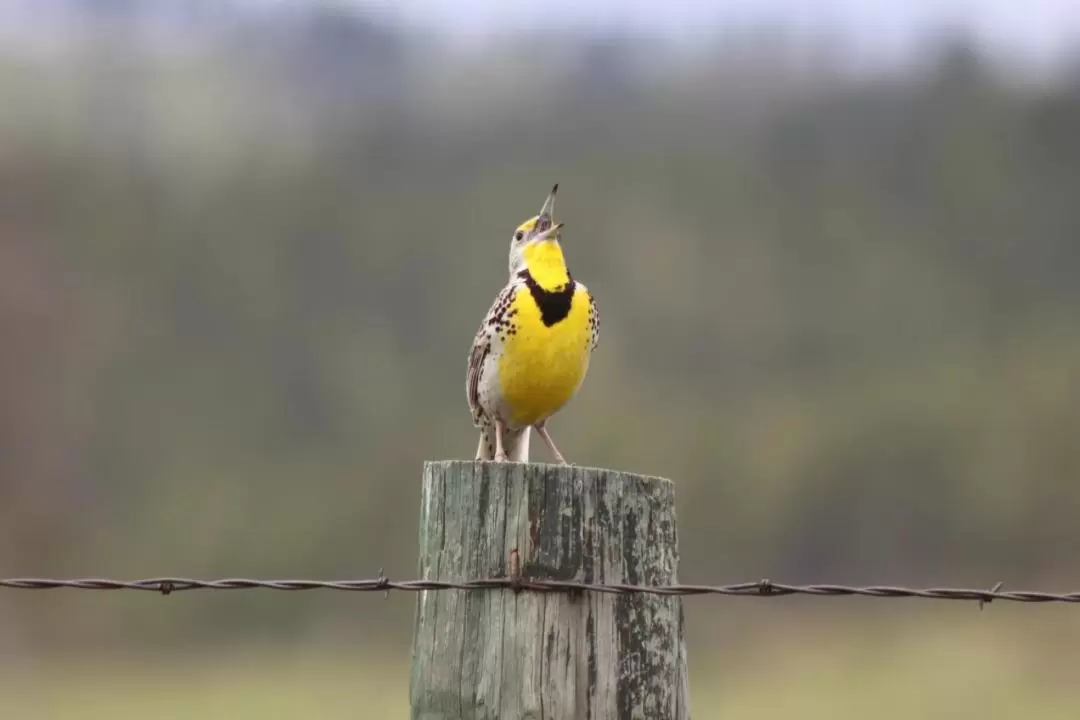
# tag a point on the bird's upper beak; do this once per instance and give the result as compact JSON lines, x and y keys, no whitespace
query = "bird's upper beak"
{"x":547,"y":212}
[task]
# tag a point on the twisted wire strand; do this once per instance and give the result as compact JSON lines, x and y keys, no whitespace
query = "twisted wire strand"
{"x":760,"y":588}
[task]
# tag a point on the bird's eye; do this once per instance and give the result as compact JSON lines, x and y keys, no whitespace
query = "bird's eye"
{"x":519,"y":235}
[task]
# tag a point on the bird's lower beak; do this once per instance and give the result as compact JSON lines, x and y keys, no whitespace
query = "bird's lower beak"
{"x":547,"y":212}
{"x":552,"y":233}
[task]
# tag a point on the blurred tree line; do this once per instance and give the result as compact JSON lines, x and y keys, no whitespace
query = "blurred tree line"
{"x":239,"y":275}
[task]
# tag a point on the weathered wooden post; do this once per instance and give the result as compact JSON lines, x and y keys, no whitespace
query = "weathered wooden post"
{"x":494,"y":654}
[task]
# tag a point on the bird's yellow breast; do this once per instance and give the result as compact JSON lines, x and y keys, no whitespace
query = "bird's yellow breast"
{"x":542,"y":365}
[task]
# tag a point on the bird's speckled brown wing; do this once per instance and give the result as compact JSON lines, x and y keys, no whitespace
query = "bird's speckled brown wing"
{"x":594,"y":317}
{"x":481,"y":347}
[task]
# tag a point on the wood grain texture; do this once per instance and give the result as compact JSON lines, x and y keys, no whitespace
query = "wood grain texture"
{"x":500,"y":655}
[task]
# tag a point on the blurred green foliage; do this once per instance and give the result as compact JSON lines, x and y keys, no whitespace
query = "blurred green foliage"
{"x":238,"y":283}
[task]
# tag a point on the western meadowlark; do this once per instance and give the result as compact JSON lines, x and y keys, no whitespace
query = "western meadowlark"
{"x":533,"y":348}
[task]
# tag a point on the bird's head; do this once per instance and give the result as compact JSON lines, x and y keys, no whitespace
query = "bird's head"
{"x":535,"y":244}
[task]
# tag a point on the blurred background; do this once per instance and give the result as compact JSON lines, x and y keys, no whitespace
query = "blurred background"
{"x":244,"y":247}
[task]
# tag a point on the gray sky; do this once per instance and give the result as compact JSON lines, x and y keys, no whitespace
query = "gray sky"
{"x":1030,"y":18}
{"x":1034,"y":25}
{"x":1038,"y":28}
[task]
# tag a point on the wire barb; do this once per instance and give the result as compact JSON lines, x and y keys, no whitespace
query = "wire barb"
{"x":988,"y":599}
{"x":515,"y":582}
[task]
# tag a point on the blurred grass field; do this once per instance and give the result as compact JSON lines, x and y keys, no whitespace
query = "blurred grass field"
{"x":942,"y":661}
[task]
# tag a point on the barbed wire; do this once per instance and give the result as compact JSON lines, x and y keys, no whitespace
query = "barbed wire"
{"x":760,"y":588}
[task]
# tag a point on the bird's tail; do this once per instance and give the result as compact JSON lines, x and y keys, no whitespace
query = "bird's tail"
{"x":515,"y":443}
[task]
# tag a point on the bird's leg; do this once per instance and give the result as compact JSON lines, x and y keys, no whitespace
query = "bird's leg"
{"x":500,"y":452}
{"x":541,"y":430}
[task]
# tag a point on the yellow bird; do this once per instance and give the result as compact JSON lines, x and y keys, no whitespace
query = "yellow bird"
{"x":532,"y":350}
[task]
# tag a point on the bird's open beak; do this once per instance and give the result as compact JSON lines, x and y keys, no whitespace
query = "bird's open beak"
{"x":547,"y":212}
{"x":552,"y":233}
